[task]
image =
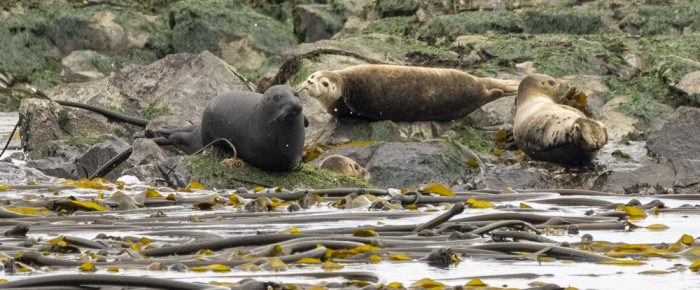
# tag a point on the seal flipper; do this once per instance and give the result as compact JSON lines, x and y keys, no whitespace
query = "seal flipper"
{"x":590,"y":135}
{"x":493,"y":94}
{"x":187,"y":141}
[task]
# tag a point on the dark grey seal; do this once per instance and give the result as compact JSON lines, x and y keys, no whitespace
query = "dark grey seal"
{"x":266,"y":129}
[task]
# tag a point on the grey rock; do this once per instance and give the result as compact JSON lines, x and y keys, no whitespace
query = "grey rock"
{"x":679,"y":138}
{"x":146,"y":151}
{"x":313,"y":22}
{"x":174,"y":172}
{"x":321,"y":124}
{"x":498,"y":114}
{"x":11,"y":173}
{"x":690,"y":84}
{"x":654,"y":174}
{"x":409,"y":164}
{"x":687,"y":172}
{"x":56,"y":167}
{"x":85,"y":65}
{"x":180,"y":84}
{"x":43,"y":121}
{"x":99,"y":154}
{"x":617,"y":124}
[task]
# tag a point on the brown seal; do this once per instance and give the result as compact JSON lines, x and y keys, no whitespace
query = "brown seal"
{"x":344,"y":166}
{"x":403,"y":93}
{"x":549,"y":131}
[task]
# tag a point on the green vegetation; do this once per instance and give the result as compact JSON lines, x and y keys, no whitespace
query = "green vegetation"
{"x":621,"y":155}
{"x":154,"y":111}
{"x":470,"y":137}
{"x":208,"y":170}
{"x":391,"y":8}
{"x":84,"y":142}
{"x":569,"y":21}
{"x":663,"y":19}
{"x":405,"y":26}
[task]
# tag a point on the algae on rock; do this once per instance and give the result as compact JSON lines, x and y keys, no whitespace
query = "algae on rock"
{"x":209,"y":170}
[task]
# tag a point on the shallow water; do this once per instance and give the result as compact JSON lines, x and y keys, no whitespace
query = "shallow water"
{"x":583,"y":275}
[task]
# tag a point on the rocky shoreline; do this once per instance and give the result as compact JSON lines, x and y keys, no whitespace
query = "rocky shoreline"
{"x":167,"y":61}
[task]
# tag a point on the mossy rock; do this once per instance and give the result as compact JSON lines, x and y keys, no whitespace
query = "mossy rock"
{"x":403,"y":26}
{"x":195,"y":26}
{"x":663,"y":19}
{"x":556,"y":55}
{"x":314,"y":22}
{"x":391,"y":8}
{"x":472,"y":22}
{"x":566,"y":21}
{"x":208,"y":170}
{"x":469,"y":136}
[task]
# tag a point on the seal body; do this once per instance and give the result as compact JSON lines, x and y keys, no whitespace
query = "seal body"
{"x":549,"y":131}
{"x":267,"y":130}
{"x":403,"y":93}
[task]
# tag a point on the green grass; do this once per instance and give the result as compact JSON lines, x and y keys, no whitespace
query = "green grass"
{"x":470,"y":137}
{"x":208,"y":170}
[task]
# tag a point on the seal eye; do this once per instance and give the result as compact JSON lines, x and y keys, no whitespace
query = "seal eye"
{"x":325,"y":84}
{"x":551,"y":82}
{"x":276,"y":98}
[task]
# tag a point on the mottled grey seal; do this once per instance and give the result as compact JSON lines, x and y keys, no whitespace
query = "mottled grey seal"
{"x":549,"y":131}
{"x":403,"y":93}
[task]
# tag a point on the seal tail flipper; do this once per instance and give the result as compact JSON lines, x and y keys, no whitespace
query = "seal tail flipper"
{"x":591,"y":134}
{"x":509,"y":87}
{"x":493,"y":94}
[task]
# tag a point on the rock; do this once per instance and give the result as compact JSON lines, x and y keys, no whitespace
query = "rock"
{"x":593,"y":87}
{"x":174,"y":167}
{"x":392,"y":8}
{"x":146,"y":151}
{"x":314,"y":22}
{"x":85,"y":65}
{"x":687,"y":172}
{"x":495,"y":115}
{"x":101,"y":32}
{"x":527,"y":67}
{"x":678,"y":141}
{"x":240,"y":53}
{"x":11,"y":173}
{"x":690,"y":83}
{"x":179,"y":84}
{"x":99,"y":154}
{"x":56,"y":167}
{"x":618,"y":124}
{"x":43,"y":121}
{"x":196,"y":26}
{"x":679,"y":138}
{"x":321,"y":124}
{"x":410,"y":164}
{"x":653,"y":174}
{"x":72,"y":160}
{"x":349,"y":130}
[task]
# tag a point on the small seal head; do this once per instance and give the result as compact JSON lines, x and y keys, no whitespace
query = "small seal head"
{"x":324,"y":86}
{"x":346,"y":166}
{"x":538,"y":85}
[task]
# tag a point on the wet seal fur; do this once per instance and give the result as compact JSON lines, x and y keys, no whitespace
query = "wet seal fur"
{"x":345,"y":166}
{"x":267,"y":129}
{"x":549,"y":131}
{"x":403,"y":93}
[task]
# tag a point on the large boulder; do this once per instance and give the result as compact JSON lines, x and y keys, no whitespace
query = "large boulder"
{"x":618,"y":124}
{"x":314,"y":22}
{"x":179,"y":84}
{"x":690,"y":84}
{"x":678,"y":142}
{"x":410,"y":164}
{"x":85,"y":65}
